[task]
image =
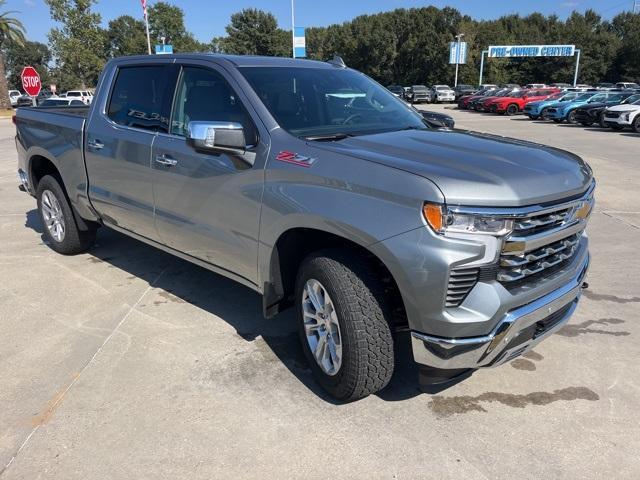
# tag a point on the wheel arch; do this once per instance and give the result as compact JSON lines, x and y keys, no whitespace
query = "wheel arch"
{"x":294,"y":245}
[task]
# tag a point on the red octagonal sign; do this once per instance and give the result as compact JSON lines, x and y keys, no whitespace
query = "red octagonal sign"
{"x":31,"y":81}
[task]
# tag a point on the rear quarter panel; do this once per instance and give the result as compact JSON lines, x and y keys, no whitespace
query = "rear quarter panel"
{"x":58,"y":137}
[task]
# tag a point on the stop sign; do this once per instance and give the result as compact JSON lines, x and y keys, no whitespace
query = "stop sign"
{"x":31,"y":81}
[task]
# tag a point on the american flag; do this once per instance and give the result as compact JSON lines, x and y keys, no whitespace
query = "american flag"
{"x":144,"y":6}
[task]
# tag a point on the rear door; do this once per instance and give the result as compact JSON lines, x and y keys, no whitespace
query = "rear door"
{"x":208,"y":205}
{"x":118,"y":143}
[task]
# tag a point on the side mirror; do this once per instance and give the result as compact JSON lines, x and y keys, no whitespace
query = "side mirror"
{"x":216,"y":137}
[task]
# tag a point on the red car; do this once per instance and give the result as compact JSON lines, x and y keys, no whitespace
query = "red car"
{"x":463,"y":102}
{"x":515,"y":102}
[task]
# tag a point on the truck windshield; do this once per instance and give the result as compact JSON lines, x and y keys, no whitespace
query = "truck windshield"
{"x":325,"y":102}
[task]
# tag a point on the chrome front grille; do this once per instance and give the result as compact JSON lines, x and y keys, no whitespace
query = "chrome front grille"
{"x":543,"y":241}
{"x":517,"y":267}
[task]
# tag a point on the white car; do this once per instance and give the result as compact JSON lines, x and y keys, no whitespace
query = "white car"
{"x":443,"y":93}
{"x":626,"y":85}
{"x":620,"y":116}
{"x":84,"y":95}
{"x":13,"y":97}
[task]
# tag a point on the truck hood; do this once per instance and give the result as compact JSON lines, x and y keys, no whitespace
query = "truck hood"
{"x":474,"y":169}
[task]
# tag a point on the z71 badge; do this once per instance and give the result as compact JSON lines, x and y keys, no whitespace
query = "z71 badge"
{"x":296,"y":159}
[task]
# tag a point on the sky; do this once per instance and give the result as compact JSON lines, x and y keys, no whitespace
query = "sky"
{"x":207,"y":19}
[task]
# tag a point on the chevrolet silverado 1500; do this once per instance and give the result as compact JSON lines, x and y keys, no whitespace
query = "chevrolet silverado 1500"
{"x":316,"y":187}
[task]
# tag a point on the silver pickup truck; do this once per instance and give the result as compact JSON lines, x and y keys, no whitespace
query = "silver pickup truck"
{"x":316,"y":187}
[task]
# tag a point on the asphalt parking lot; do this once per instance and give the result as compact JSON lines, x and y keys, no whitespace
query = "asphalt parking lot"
{"x":127,"y":363}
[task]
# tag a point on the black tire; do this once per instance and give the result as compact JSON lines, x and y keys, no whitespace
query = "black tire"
{"x":601,"y":121}
{"x":74,"y":240}
{"x":571,"y":118}
{"x":635,"y":126}
{"x":364,"y":317}
{"x":543,"y":114}
{"x":512,"y":109}
{"x":586,"y":124}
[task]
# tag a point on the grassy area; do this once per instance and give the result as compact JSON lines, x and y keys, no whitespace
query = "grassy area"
{"x":6,"y":112}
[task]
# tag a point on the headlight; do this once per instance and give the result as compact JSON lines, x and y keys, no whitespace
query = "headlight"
{"x":444,"y":221}
{"x":625,"y":117}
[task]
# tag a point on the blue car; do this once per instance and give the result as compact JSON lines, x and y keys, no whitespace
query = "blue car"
{"x":535,"y":110}
{"x":561,"y":111}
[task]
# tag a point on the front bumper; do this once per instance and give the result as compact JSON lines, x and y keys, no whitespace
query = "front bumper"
{"x":445,"y":98}
{"x":519,"y":331}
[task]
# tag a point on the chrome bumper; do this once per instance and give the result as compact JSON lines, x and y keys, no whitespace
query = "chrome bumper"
{"x":520,"y":330}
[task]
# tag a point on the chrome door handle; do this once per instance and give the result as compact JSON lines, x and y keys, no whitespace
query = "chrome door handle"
{"x":166,"y":160}
{"x":95,"y":144}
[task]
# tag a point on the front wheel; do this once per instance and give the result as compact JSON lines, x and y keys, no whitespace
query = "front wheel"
{"x":512,"y":109}
{"x":344,"y":323}
{"x":636,"y":125}
{"x":571,"y":118}
{"x":60,"y":229}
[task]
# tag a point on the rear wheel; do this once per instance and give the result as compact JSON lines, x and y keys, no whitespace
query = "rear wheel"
{"x":344,"y":323}
{"x":60,"y":229}
{"x":512,"y":109}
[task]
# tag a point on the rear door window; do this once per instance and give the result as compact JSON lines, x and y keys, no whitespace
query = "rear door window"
{"x":138,"y":98}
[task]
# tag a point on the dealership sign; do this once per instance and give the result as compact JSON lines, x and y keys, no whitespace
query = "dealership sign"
{"x":511,"y":51}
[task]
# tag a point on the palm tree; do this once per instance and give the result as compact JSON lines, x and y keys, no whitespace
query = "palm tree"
{"x":11,"y":30}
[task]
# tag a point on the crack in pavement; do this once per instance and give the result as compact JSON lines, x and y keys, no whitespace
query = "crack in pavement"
{"x":55,"y":403}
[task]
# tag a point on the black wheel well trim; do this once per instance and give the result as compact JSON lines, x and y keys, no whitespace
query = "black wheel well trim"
{"x":293,"y":246}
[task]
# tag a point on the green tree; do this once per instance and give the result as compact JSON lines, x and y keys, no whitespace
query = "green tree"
{"x":11,"y":32}
{"x":255,"y":32}
{"x":19,"y":55}
{"x":78,"y":46}
{"x":167,"y":21}
{"x":126,"y":36}
{"x":626,"y":65}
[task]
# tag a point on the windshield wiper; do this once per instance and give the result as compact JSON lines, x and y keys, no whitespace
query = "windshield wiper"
{"x":328,"y":137}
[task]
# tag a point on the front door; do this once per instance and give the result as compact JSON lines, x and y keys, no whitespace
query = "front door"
{"x":208,"y":205}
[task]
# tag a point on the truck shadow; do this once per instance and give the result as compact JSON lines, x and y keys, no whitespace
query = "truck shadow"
{"x":239,"y":306}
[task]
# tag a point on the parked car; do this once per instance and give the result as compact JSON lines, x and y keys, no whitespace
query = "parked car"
{"x":566,"y":111}
{"x":462,"y":90}
{"x":397,"y":90}
{"x":27,"y":101}
{"x":593,"y":112}
{"x":24,"y":101}
{"x":330,"y":203}
{"x":626,"y":85}
{"x":83,"y":95}
{"x":481,"y":104}
{"x":538,"y":109}
{"x":61,"y":102}
{"x":535,"y":85}
{"x":419,"y":94}
{"x":605,"y":86}
{"x":561,"y":85}
{"x":442,"y":93}
{"x":464,"y":101}
{"x":14,"y":95}
{"x":516,"y":101}
{"x":620,"y":117}
{"x":438,"y":119}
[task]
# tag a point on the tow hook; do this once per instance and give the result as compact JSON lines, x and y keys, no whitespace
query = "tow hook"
{"x":584,"y":285}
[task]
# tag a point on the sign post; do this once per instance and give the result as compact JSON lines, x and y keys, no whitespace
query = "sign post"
{"x":31,"y":82}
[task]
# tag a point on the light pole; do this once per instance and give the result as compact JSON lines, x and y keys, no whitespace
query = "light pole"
{"x":458,"y":37}
{"x":293,"y":32}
